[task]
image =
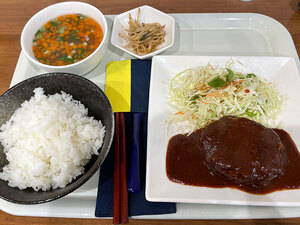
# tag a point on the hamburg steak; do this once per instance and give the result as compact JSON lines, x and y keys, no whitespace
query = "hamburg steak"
{"x":243,"y":151}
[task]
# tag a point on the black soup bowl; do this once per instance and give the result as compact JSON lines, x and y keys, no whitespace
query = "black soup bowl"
{"x":83,"y":90}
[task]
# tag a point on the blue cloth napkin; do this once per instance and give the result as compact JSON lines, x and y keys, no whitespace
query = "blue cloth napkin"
{"x":138,"y":205}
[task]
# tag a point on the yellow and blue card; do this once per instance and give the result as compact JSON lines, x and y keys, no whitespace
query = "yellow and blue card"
{"x":127,"y":85}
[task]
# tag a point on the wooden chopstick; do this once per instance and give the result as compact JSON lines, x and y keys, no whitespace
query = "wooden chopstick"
{"x":120,"y":201}
{"x":116,"y":193}
{"x":124,"y":193}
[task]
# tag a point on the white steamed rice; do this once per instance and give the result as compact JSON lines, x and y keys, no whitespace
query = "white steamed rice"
{"x":48,"y":141}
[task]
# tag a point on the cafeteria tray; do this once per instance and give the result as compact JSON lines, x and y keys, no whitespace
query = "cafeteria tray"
{"x":221,"y":34}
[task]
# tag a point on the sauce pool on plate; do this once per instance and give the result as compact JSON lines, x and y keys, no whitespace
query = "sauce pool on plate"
{"x":235,"y":152}
{"x":66,"y":39}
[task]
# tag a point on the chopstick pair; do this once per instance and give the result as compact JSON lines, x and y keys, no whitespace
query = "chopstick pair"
{"x":120,"y":200}
{"x":127,"y":88}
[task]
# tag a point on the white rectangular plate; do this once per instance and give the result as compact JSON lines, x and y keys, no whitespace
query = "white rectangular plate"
{"x":282,"y":70}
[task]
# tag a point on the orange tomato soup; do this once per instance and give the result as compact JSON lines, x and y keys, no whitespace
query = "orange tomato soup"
{"x":66,"y":39}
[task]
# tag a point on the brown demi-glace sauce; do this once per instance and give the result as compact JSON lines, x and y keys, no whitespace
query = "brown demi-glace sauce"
{"x":187,"y":158}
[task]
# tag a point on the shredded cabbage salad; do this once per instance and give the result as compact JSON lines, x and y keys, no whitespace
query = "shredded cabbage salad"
{"x":204,"y":94}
